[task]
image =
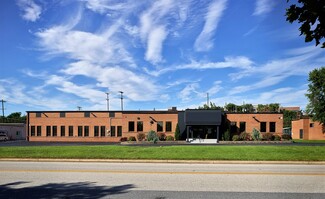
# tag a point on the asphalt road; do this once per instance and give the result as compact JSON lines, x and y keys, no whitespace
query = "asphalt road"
{"x":159,"y":180}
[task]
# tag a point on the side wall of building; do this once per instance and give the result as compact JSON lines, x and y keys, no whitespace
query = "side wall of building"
{"x":15,"y":131}
{"x":307,"y":129}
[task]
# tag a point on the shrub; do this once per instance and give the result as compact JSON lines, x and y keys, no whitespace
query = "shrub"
{"x":235,"y":138}
{"x":227,"y":135}
{"x":286,"y":137}
{"x":177,"y":133}
{"x":245,"y":136}
{"x":268,"y":136}
{"x":141,"y":136}
{"x":123,"y":139}
{"x":170,"y":138}
{"x":132,"y":138}
{"x":256,"y":135}
{"x":161,"y":136}
{"x":152,"y":136}
{"x":277,"y":138}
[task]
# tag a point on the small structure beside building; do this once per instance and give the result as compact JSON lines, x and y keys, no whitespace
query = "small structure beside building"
{"x":307,"y":129}
{"x":14,"y":131}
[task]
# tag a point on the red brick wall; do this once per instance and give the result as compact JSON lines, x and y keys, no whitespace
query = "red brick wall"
{"x":253,"y":120}
{"x":314,"y":132}
{"x":76,"y":119}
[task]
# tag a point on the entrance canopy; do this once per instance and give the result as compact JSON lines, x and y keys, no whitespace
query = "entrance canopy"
{"x":202,"y":117}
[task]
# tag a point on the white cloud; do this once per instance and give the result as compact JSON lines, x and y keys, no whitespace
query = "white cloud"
{"x":240,"y":62}
{"x":154,"y":46}
{"x":189,"y":92}
{"x":263,"y":7}
{"x":31,"y":11}
{"x":204,"y":41}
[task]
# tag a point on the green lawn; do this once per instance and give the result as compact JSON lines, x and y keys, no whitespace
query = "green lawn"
{"x":266,"y":153}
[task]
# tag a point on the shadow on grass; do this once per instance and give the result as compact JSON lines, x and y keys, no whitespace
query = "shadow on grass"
{"x":61,"y":190}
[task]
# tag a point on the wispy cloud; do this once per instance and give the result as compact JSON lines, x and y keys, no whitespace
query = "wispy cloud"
{"x":263,"y":7}
{"x":155,"y":42}
{"x":230,"y":62}
{"x":204,"y":41}
{"x":31,"y":11}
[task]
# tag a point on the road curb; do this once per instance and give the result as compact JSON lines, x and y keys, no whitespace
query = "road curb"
{"x":163,"y":161}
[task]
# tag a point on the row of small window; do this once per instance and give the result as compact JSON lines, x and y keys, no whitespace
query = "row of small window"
{"x":160,"y":125}
{"x":86,"y":114}
{"x":242,"y":126}
{"x":83,"y":131}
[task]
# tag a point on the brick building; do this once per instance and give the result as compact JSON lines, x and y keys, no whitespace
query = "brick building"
{"x":110,"y":126}
{"x":307,"y":129}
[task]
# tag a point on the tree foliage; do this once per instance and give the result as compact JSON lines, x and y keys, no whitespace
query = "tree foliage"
{"x":212,"y":106}
{"x":316,"y":95}
{"x":311,"y":13}
{"x":288,"y":116}
{"x":15,"y":117}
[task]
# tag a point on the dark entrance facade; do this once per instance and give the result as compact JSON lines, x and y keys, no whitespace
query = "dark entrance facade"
{"x":202,"y":124}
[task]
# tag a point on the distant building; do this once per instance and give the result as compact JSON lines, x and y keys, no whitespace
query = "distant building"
{"x":307,"y":129}
{"x":111,"y":126}
{"x":15,"y":131}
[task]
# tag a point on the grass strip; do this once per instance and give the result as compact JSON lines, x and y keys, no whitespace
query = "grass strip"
{"x":309,"y":141}
{"x":252,"y":153}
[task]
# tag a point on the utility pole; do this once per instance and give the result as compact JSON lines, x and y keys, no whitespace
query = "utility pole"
{"x":3,"y":110}
{"x":79,"y":108}
{"x":107,"y":99}
{"x":121,"y":99}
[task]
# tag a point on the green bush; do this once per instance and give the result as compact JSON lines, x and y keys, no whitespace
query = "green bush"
{"x":245,"y":136}
{"x":268,"y":136}
{"x":277,"y":138}
{"x":227,"y":135}
{"x":256,"y":135}
{"x":161,"y":136}
{"x":235,"y":138}
{"x":132,"y":138}
{"x":286,"y":137}
{"x":141,"y":136}
{"x":152,"y":136}
{"x":170,"y":138}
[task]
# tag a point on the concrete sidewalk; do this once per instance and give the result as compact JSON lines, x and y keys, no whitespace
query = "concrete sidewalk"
{"x":163,"y":161}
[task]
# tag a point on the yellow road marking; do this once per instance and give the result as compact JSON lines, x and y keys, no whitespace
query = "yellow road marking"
{"x":167,"y":172}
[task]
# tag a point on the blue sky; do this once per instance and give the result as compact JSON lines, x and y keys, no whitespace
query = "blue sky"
{"x":60,"y":54}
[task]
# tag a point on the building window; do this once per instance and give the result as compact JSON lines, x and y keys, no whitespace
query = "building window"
{"x":86,"y":128}
{"x":48,"y":130}
{"x":62,"y":131}
{"x":160,"y":126}
{"x":168,"y":126}
{"x":111,"y":114}
{"x":263,"y":127}
{"x":62,"y":114}
{"x":87,"y":114}
{"x":301,"y":134}
{"x":55,"y":130}
{"x":32,"y":131}
{"x":39,"y":130}
{"x":38,"y":114}
{"x":102,"y":131}
{"x":131,"y":126}
{"x":96,"y":131}
{"x":113,"y":131}
{"x":311,"y":125}
{"x":70,"y":131}
{"x":18,"y":133}
{"x":242,"y":126}
{"x":79,"y":131}
{"x":233,"y":127}
{"x":119,"y":131}
{"x":140,"y":126}
{"x":272,"y":127}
